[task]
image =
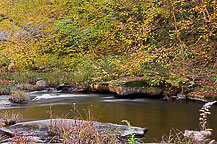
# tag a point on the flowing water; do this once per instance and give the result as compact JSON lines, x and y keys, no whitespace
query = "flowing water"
{"x":157,"y":115}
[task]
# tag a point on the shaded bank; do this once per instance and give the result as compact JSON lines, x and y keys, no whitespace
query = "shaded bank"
{"x":65,"y":82}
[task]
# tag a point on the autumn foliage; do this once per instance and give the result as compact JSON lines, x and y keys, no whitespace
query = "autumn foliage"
{"x":97,"y":40}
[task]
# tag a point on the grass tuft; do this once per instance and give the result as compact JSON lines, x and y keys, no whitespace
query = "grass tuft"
{"x":19,"y":97}
{"x":80,"y":132}
{"x":10,"y":118}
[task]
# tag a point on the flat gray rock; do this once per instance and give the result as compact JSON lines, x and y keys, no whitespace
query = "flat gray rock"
{"x":39,"y":128}
{"x":5,"y":132}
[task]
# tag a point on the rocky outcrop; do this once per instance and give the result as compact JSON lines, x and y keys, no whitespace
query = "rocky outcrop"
{"x":101,"y":86}
{"x":39,"y":129}
{"x":122,"y":90}
{"x":128,"y":87}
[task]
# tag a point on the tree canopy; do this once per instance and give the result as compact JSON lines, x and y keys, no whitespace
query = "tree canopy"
{"x":110,"y":38}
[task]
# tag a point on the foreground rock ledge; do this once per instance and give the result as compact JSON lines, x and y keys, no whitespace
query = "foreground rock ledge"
{"x":38,"y":130}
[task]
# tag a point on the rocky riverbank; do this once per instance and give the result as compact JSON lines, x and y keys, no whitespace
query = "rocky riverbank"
{"x":126,"y":87}
{"x":138,"y":85}
{"x":46,"y":131}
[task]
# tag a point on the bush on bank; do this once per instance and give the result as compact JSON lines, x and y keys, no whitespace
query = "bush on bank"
{"x":85,"y":41}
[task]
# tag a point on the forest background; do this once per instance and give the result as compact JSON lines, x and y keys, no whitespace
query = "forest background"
{"x":84,"y":41}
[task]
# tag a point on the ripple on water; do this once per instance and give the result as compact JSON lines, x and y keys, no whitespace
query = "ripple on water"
{"x":132,"y":101}
{"x":4,"y":102}
{"x":60,"y":96}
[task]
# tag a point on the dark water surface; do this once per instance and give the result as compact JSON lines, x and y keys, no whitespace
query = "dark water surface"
{"x":157,"y":115}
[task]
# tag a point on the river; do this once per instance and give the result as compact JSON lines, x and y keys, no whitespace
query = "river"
{"x":157,"y":115}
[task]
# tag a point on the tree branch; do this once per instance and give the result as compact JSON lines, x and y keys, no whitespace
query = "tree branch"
{"x":5,"y":17}
{"x":7,"y":41}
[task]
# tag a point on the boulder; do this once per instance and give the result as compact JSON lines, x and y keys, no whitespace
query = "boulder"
{"x":64,"y":88}
{"x":197,"y":136}
{"x":41,"y":83}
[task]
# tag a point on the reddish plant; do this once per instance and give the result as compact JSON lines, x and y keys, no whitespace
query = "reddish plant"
{"x":19,"y":138}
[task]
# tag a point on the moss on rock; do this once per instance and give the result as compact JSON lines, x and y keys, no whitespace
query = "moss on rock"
{"x":128,"y":86}
{"x":101,"y":86}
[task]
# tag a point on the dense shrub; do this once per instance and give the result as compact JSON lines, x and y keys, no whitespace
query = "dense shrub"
{"x":111,"y":38}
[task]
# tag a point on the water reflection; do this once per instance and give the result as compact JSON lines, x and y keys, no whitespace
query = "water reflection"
{"x":157,"y":115}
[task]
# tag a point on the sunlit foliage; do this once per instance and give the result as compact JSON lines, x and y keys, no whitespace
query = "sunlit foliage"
{"x":107,"y":39}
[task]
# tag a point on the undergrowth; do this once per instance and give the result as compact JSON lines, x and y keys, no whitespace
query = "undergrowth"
{"x":10,"y":118}
{"x":80,"y":131}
